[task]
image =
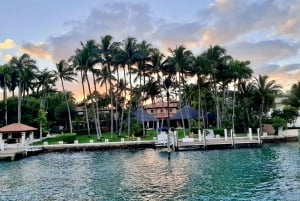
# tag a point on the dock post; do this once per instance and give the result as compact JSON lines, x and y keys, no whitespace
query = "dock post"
{"x":204,"y":140}
{"x":299,"y":136}
{"x":176,"y":140}
{"x":232,"y":138}
{"x":258,"y":136}
{"x":23,"y":134}
{"x":250,"y":133}
{"x":225,"y":133}
{"x":199,"y":135}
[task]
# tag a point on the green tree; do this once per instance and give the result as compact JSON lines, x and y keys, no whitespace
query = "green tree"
{"x":265,"y":92}
{"x":240,"y":70}
{"x":217,"y":60}
{"x":181,"y":59}
{"x":5,"y":78}
{"x":22,"y":64}
{"x":42,"y":120}
{"x":84,"y":61}
{"x":66,"y":72}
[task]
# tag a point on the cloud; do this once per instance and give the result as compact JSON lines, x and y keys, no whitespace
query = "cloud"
{"x":263,"y":51}
{"x":290,"y":68}
{"x":117,"y":19}
{"x":172,"y":33}
{"x":36,"y":50}
{"x":7,"y":57}
{"x":291,"y":25}
{"x":7,"y":44}
{"x":231,"y":21}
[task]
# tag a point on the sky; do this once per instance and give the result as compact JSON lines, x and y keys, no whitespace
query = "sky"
{"x":265,"y":32}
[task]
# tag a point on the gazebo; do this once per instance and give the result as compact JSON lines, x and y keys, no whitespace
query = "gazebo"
{"x":16,"y":133}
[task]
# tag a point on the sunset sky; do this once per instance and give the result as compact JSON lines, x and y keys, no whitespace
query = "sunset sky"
{"x":266,"y":32}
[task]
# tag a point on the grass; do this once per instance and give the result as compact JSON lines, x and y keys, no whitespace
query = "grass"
{"x":115,"y":138}
{"x":86,"y":139}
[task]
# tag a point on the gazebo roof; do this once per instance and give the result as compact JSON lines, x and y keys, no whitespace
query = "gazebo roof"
{"x":16,"y":128}
{"x":143,"y":116}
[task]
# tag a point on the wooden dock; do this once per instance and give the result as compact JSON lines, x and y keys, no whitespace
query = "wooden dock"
{"x":13,"y":153}
{"x":216,"y":143}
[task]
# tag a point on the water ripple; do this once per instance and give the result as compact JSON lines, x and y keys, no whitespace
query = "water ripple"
{"x":268,"y":173}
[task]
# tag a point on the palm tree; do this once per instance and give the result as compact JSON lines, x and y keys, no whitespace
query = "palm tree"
{"x":129,"y":54}
{"x":66,"y":72}
{"x":240,"y":70}
{"x":20,"y":64}
{"x":5,"y":78}
{"x":294,"y":96}
{"x":84,"y":60}
{"x":246,"y":91}
{"x":181,"y":59}
{"x":265,"y":93}
{"x":107,"y":48}
{"x":217,"y":61}
{"x":199,"y":68}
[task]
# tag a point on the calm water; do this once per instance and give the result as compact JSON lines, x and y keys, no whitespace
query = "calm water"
{"x":268,"y":173}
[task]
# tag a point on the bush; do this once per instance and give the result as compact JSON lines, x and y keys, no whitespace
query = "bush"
{"x":84,"y":131}
{"x":194,"y":130}
{"x":67,"y":138}
{"x":136,"y":129}
{"x":219,"y":131}
{"x":278,"y":122}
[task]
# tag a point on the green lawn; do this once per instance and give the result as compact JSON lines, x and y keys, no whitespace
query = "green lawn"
{"x":115,"y":138}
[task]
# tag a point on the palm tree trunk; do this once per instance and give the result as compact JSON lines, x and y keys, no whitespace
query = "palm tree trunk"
{"x":130,"y":103}
{"x":98,"y":130}
{"x":85,"y":107}
{"x":199,"y":104}
{"x":260,"y":116}
{"x":122,"y":113}
{"x":19,"y":101}
{"x":5,"y":100}
{"x":69,"y":113}
{"x":97,"y":107}
{"x":233,"y":109}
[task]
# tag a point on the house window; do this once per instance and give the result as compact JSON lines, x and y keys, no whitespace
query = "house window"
{"x":152,"y":111}
{"x":170,"y":109}
{"x":161,"y":110}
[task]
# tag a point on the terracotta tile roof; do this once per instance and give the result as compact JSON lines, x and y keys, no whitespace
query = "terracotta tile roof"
{"x":16,"y":128}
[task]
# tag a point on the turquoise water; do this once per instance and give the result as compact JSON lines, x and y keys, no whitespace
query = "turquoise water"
{"x":268,"y":173}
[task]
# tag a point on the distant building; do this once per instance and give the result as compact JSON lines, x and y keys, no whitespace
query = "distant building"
{"x":279,"y":106}
{"x":160,"y":109}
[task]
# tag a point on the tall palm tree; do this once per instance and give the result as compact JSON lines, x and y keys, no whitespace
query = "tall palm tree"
{"x":66,"y":72}
{"x":217,"y":60}
{"x":20,"y":64}
{"x":84,"y":60}
{"x":246,"y":91}
{"x":129,"y":55}
{"x":199,"y":68}
{"x":265,"y":93}
{"x":107,"y":48}
{"x":5,"y":78}
{"x":181,"y":59}
{"x":240,"y":70}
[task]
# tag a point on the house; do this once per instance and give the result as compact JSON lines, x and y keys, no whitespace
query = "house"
{"x":159,"y":109}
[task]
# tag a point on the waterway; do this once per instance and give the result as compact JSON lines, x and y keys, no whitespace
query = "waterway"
{"x":271,"y":172}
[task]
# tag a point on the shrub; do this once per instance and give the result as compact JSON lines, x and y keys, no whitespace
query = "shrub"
{"x":194,"y":130}
{"x":136,"y":129}
{"x":67,"y":138}
{"x":84,"y":131}
{"x":219,"y":131}
{"x":278,"y":122}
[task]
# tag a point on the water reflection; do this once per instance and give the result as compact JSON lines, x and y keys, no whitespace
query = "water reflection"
{"x":268,"y":173}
